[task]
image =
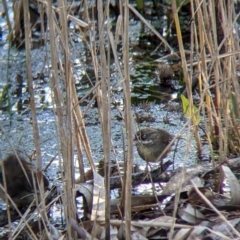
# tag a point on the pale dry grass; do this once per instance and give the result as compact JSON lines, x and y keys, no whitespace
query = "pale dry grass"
{"x":206,"y":56}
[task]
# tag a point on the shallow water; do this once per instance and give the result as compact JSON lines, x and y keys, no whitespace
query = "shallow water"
{"x":16,"y":124}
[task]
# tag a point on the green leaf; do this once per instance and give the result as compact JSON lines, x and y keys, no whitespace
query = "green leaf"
{"x":140,"y":4}
{"x":186,"y":109}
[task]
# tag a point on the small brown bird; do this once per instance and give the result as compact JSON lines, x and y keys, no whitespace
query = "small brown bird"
{"x":151,"y":142}
{"x":19,"y":185}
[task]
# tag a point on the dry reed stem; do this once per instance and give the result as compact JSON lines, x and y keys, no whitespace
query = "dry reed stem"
{"x":30,"y":84}
{"x":64,"y":121}
{"x":222,"y":217}
{"x":68,"y":16}
{"x":67,"y":151}
{"x":203,"y":42}
{"x":185,"y":128}
{"x":150,"y":27}
{"x":17,"y":8}
{"x":78,"y":143}
{"x":144,"y":224}
{"x":202,"y":63}
{"x":217,"y":60}
{"x":23,"y":217}
{"x":129,"y":121}
{"x":113,"y":43}
{"x":42,"y":209}
{"x":4,"y":188}
{"x":82,"y":131}
{"x":187,"y":78}
{"x":223,"y":65}
{"x":105,"y":108}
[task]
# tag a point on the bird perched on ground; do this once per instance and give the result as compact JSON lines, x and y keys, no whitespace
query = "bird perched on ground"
{"x":20,"y":178}
{"x":151,"y":142}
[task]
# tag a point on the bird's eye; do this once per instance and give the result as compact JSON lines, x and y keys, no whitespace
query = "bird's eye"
{"x":143,"y":136}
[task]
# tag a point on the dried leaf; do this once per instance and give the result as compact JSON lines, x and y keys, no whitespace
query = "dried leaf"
{"x":234,"y":185}
{"x":182,"y":179}
{"x":190,"y":214}
{"x":196,"y":232}
{"x":98,"y":209}
{"x":224,"y":230}
{"x":86,"y":190}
